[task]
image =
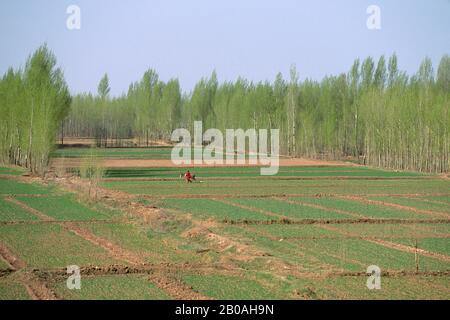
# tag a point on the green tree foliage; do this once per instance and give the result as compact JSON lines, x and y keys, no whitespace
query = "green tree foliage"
{"x":103,"y":87}
{"x":33,"y":103}
{"x":375,"y":113}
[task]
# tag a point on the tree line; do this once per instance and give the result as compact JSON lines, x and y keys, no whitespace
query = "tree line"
{"x":374,"y":113}
{"x":33,"y":102}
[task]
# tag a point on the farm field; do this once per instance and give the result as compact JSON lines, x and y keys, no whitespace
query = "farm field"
{"x":309,"y":232}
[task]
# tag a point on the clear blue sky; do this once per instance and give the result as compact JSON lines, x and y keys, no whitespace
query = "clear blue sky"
{"x":189,"y":39}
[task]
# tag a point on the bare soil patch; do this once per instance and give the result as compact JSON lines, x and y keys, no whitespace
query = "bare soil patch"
{"x":35,"y":288}
{"x":13,"y":261}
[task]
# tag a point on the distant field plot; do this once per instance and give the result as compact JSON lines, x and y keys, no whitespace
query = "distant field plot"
{"x":14,"y":187}
{"x":112,"y":287}
{"x":12,"y":212}
{"x":48,"y":245}
{"x":364,"y":209}
{"x":229,"y":287}
{"x":249,"y":187}
{"x":207,"y":208}
{"x":290,"y":210}
{"x":63,"y":208}
{"x":203,"y":172}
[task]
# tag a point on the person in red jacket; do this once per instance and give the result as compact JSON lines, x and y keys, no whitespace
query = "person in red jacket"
{"x":188,"y":177}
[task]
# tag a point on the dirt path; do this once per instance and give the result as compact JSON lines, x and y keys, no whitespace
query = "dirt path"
{"x":405,"y":248}
{"x":35,"y":288}
{"x":219,"y":243}
{"x":335,"y":221}
{"x":54,"y":275}
{"x":35,"y":212}
{"x":11,"y":260}
{"x":174,"y":288}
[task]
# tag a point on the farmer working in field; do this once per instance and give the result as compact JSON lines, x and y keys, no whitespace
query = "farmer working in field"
{"x":188,"y":177}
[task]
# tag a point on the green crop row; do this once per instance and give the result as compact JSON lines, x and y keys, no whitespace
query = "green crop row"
{"x":207,"y":208}
{"x":364,"y":209}
{"x":290,"y":210}
{"x":12,"y":212}
{"x":49,"y":245}
{"x":14,"y":187}
{"x":112,"y":287}
{"x":243,"y":187}
{"x":230,"y":287}
{"x":415,"y":203}
{"x":63,"y":208}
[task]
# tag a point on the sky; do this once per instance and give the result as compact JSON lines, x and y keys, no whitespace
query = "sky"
{"x":187,"y":40}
